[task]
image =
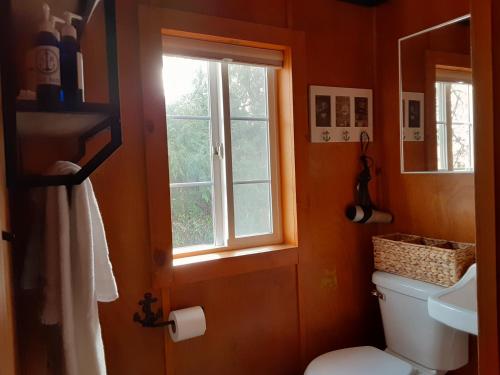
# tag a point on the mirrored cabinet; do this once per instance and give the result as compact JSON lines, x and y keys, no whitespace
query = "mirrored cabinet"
{"x":436,"y":100}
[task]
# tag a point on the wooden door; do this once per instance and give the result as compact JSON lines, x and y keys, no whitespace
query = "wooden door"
{"x":7,"y":342}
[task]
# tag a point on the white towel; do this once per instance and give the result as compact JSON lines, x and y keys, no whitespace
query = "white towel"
{"x":78,"y":272}
{"x":30,"y":278}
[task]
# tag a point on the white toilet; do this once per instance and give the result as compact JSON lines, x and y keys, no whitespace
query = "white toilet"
{"x":416,"y":344}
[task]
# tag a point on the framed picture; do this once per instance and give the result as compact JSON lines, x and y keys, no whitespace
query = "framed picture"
{"x":339,"y":114}
{"x":413,"y":116}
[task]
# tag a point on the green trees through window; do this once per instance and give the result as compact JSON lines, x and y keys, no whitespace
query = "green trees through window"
{"x":189,"y":151}
{"x":193,"y":93}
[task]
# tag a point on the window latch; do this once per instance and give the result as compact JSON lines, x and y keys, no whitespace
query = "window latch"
{"x":219,"y":151}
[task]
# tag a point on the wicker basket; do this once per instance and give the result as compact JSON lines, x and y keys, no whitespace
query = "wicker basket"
{"x":426,"y":259}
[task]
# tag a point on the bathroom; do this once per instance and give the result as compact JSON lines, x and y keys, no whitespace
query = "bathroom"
{"x":270,"y":311}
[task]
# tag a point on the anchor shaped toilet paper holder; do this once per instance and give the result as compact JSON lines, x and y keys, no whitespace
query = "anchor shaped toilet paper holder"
{"x":151,"y":319}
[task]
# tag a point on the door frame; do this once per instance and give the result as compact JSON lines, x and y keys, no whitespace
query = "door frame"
{"x":486,"y":77}
{"x":8,"y":355}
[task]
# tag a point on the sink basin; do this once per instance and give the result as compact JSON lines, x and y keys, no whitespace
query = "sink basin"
{"x":457,"y":306}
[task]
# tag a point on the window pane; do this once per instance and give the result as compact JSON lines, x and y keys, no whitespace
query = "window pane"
{"x":250,"y":150}
{"x":189,"y":150}
{"x":441,"y":146}
{"x":460,"y":103}
{"x":192,"y":218}
{"x":186,"y":86}
{"x":252,"y":209}
{"x":247,"y":91}
{"x":440,"y":102}
{"x":461,"y":147}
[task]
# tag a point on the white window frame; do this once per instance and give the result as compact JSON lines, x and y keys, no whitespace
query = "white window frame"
{"x":222,"y":177}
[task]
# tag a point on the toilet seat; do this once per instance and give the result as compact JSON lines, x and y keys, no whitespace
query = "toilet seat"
{"x":363,"y":360}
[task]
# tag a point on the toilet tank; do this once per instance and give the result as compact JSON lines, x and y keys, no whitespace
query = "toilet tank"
{"x":410,"y":331}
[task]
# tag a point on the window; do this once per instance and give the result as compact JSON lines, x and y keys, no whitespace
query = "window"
{"x":454,"y":126}
{"x":222,"y":151}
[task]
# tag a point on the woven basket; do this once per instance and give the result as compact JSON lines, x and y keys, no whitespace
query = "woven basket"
{"x":426,"y":259}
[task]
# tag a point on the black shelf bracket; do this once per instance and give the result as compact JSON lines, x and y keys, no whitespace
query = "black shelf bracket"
{"x":113,"y":124}
{"x":108,"y":114}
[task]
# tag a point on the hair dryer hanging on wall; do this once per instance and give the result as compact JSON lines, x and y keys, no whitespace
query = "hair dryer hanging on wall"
{"x":364,"y":212}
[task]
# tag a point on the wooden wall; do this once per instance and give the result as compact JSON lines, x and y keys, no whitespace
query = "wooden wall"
{"x":256,"y":328}
{"x":436,"y":205}
{"x":274,"y":322}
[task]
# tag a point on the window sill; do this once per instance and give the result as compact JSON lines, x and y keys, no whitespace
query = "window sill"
{"x":204,"y":267}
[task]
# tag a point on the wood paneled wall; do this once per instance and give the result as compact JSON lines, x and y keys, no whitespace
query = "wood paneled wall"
{"x":291,"y":315}
{"x":274,"y":322}
{"x":436,"y":205}
{"x":270,"y":322}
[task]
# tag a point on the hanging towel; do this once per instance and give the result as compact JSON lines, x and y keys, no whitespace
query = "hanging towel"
{"x":78,"y":272}
{"x":30,"y":278}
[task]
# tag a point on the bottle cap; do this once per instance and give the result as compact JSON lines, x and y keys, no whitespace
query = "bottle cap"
{"x":46,"y":25}
{"x":68,"y":29}
{"x":53,"y":21}
{"x":49,"y":22}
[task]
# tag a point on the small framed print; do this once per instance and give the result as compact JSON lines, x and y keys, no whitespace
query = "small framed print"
{"x":323,"y":111}
{"x":413,"y":116}
{"x":340,"y":114}
{"x":361,"y":112}
{"x":342,"y":111}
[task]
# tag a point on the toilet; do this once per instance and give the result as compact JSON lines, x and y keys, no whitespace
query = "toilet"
{"x":416,"y":343}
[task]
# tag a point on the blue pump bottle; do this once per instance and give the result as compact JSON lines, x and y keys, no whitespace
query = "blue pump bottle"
{"x":71,"y":64}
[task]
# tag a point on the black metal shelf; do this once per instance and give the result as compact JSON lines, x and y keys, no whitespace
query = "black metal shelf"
{"x":83,"y":122}
{"x":112,"y":123}
{"x":31,"y":121}
{"x":32,"y":106}
{"x":24,"y":118}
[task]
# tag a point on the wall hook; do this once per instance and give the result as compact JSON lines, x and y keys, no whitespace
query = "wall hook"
{"x":151,"y":319}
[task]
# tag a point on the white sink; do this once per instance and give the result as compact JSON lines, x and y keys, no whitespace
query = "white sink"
{"x":457,"y":306}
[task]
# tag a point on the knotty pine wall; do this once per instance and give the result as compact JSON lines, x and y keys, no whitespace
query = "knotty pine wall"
{"x":270,"y":322}
{"x":274,"y":322}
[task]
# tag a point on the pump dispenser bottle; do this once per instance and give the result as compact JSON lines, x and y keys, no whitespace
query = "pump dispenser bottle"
{"x":47,"y":65}
{"x":71,"y":63}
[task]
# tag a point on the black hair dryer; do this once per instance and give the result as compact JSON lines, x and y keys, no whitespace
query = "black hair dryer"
{"x":364,"y":212}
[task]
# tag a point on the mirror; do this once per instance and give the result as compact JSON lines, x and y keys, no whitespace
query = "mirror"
{"x":436,"y":110}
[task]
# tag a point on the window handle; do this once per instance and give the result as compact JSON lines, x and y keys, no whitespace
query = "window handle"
{"x":219,"y":151}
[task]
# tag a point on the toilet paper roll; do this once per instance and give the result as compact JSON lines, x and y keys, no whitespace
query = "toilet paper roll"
{"x":188,"y":323}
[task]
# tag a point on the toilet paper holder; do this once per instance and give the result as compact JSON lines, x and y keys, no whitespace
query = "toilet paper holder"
{"x":151,"y":319}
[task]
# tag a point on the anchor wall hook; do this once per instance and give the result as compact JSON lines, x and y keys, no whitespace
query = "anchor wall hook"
{"x":151,"y":319}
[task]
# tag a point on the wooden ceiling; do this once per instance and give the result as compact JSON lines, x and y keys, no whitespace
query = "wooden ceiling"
{"x":368,"y":3}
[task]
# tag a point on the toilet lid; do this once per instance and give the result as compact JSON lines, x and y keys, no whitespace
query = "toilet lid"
{"x":363,"y":360}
